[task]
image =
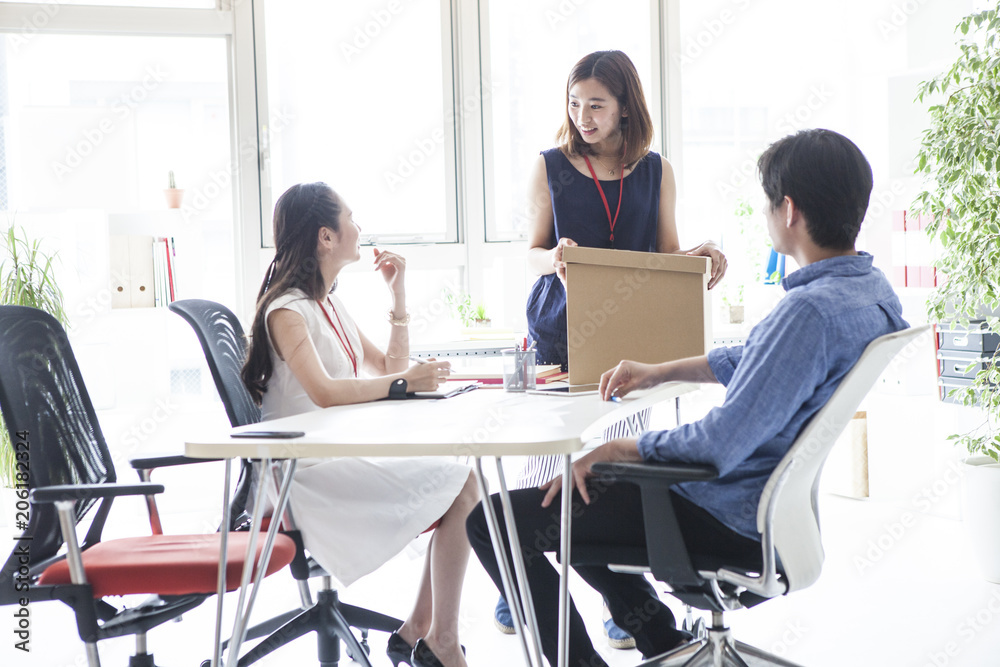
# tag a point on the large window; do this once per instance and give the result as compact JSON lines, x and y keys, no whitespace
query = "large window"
{"x":91,"y":135}
{"x":362,"y":89}
{"x":752,"y":74}
{"x":94,"y":119}
{"x":532,"y":47}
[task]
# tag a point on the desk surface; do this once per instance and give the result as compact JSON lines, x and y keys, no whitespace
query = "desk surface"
{"x":485,"y":422}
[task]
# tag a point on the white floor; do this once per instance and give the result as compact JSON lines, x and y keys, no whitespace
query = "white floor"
{"x":899,"y":586}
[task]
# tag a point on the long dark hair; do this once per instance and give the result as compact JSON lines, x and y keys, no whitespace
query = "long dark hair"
{"x":299,"y":214}
{"x":616,"y":72}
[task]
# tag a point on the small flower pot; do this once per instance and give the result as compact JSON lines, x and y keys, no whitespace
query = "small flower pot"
{"x":174,"y":197}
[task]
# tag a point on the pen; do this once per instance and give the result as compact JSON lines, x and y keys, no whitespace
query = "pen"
{"x":418,"y":360}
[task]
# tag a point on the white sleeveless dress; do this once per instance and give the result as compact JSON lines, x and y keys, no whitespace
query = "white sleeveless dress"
{"x":354,"y":513}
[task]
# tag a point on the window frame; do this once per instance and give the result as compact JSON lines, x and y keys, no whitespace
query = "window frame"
{"x":472,"y":239}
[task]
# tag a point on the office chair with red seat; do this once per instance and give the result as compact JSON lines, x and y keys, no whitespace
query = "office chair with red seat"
{"x":222,"y":340}
{"x":787,"y":517}
{"x":69,"y":472}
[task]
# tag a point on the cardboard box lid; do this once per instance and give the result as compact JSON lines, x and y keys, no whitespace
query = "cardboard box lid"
{"x":631,"y":259}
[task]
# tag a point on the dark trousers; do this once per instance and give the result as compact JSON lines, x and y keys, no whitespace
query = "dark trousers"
{"x":614,"y":517}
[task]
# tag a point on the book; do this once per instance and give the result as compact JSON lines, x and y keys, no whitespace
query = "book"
{"x":489,"y":370}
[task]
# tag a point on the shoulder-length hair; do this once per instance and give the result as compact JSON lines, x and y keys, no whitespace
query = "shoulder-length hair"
{"x":299,"y":214}
{"x":616,"y":72}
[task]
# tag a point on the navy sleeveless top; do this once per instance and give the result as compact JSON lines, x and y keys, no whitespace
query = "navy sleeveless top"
{"x":579,"y":214}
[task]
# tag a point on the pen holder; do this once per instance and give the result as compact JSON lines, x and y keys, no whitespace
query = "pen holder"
{"x":518,"y":370}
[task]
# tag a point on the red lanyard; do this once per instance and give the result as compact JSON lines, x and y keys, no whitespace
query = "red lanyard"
{"x":344,"y":341}
{"x":607,"y":209}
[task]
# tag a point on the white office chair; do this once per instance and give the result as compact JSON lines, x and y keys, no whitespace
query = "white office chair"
{"x":787,"y":518}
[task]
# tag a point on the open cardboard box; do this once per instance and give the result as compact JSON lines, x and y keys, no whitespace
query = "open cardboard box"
{"x":647,"y":307}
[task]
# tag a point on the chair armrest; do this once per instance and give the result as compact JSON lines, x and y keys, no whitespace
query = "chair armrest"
{"x":52,"y":494}
{"x":150,"y":462}
{"x":669,"y":559}
{"x":655,"y":472}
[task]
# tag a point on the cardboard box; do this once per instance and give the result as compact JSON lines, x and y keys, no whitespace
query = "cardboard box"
{"x":647,"y":307}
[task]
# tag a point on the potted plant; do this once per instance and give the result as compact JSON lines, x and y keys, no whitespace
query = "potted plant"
{"x":461,"y":306}
{"x":173,"y":195}
{"x":479,"y":316}
{"x":27,"y":278}
{"x":752,"y":244}
{"x":960,"y":160}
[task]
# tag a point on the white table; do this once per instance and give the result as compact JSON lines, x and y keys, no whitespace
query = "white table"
{"x":485,"y":422}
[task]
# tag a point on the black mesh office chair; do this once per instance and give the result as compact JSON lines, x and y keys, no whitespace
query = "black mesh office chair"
{"x":222,"y":340}
{"x":787,"y":517}
{"x":69,"y":470}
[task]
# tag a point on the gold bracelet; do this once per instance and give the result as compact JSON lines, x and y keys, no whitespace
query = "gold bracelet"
{"x":401,"y":322}
{"x":393,"y":356}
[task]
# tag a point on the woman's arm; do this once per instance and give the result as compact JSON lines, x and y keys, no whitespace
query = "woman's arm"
{"x":291,"y":340}
{"x":395,"y":359}
{"x":666,"y":220}
{"x":544,"y":250}
{"x":666,"y":231}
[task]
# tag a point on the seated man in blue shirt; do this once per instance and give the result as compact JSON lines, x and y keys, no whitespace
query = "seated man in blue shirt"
{"x":817,"y":184}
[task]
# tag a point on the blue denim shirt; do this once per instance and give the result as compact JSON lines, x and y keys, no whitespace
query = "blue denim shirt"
{"x":790,"y":365}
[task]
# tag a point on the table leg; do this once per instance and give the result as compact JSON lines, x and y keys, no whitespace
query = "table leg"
{"x":565,"y":531}
{"x":513,"y":602}
{"x":243,"y":615}
{"x":527,"y":606}
{"x":223,"y":559}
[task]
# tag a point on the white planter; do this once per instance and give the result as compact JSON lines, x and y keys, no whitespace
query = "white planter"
{"x":982,"y":500}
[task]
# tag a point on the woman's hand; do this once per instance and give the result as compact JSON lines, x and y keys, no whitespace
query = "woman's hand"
{"x":393,"y":267}
{"x":557,"y":257}
{"x":427,"y":376}
{"x":719,"y":262}
{"x":625,"y":377}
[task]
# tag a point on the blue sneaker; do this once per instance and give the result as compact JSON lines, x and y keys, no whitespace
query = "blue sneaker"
{"x":617,"y":638}
{"x":502,"y":619}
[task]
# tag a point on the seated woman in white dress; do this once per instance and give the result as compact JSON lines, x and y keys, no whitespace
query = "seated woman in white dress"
{"x":307,"y":353}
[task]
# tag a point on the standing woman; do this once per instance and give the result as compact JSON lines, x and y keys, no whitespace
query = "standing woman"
{"x":601,"y":187}
{"x":306,"y":353}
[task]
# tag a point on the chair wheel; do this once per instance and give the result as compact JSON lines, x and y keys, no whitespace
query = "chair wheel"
{"x":206,"y":663}
{"x":700,"y":631}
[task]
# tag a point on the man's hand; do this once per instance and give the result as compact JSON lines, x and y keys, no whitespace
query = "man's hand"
{"x":627,"y":376}
{"x":617,"y":451}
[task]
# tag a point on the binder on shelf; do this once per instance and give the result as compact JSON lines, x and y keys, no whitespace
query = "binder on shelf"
{"x":132,"y":271}
{"x":142,"y":271}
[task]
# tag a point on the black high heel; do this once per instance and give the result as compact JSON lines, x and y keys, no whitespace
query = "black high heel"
{"x":423,"y":656}
{"x":398,"y":650}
